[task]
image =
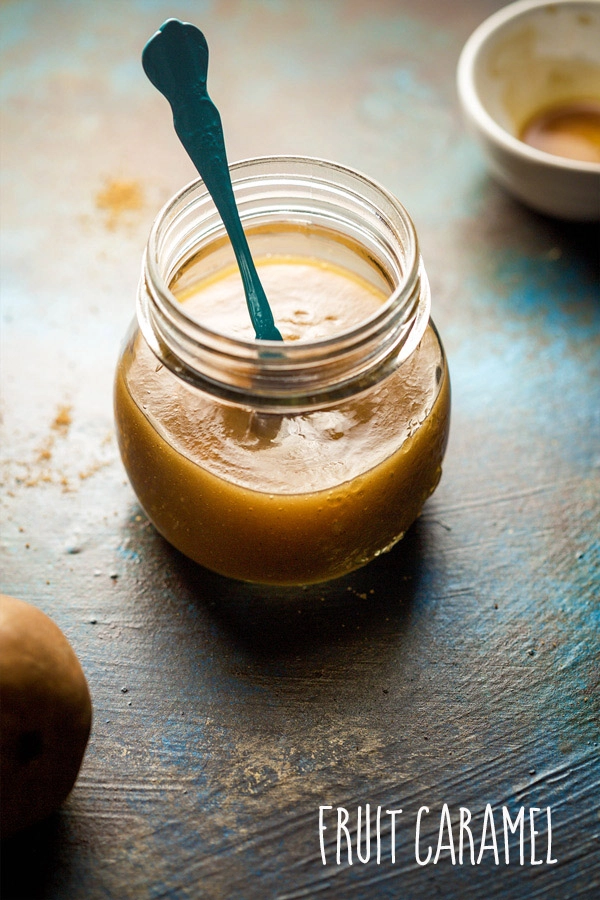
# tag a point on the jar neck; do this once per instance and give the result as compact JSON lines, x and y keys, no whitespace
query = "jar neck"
{"x":272,"y":376}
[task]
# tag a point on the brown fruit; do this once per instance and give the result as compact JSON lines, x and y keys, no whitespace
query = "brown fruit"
{"x":45,"y":715}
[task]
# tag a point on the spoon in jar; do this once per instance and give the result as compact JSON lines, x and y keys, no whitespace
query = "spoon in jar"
{"x":175,"y":59}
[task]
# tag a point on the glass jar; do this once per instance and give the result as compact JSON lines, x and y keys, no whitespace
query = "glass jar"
{"x":293,"y":462}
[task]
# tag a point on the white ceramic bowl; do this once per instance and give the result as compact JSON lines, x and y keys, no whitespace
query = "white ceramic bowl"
{"x":525,"y":58}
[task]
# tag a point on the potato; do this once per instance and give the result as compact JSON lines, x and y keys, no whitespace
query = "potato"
{"x":45,"y":715}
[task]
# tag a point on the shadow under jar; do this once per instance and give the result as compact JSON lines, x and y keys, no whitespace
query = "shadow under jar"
{"x":293,"y":462}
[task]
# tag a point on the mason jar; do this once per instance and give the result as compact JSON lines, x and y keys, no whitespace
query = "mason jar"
{"x":284,"y":462}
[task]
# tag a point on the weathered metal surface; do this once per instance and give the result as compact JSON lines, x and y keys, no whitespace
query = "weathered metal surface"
{"x":462,"y":667}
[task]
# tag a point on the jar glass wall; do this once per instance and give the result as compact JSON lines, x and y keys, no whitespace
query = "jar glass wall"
{"x":291,"y":462}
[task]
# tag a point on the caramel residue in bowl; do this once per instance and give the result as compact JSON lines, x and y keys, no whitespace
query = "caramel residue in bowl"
{"x":566,"y":129}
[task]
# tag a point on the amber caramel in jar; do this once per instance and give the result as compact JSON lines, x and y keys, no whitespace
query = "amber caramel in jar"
{"x":285,"y":463}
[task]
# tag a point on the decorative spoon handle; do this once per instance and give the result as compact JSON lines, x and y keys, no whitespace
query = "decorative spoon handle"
{"x":175,"y":59}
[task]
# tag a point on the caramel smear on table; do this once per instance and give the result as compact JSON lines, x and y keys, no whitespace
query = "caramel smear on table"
{"x":569,"y":129}
{"x":60,"y":425}
{"x":53,"y":461}
{"x":62,"y":420}
{"x":117,"y":198}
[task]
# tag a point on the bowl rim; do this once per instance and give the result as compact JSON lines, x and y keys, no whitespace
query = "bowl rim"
{"x":474,"y":107}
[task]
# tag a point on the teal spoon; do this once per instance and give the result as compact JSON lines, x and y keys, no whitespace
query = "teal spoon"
{"x":175,"y":59}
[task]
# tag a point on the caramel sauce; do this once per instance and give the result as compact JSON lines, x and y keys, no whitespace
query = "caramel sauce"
{"x":325,"y":492}
{"x":569,"y":129}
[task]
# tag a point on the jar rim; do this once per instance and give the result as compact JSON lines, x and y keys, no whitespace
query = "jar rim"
{"x":175,"y":336}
